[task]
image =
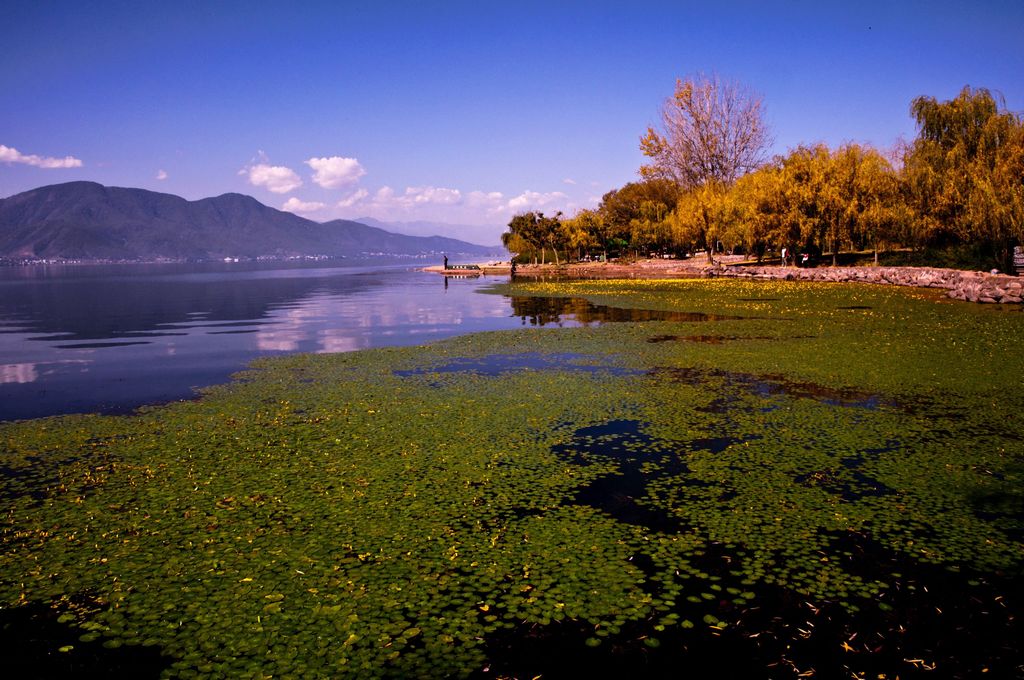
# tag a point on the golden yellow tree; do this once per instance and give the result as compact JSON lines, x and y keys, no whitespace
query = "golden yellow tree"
{"x":964,"y":172}
{"x":702,"y":217}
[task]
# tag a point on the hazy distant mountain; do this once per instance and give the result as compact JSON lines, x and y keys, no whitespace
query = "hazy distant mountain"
{"x":466,"y":232}
{"x":89,"y":221}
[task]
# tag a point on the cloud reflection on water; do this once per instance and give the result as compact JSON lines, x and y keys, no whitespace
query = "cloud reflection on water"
{"x":201,"y":328}
{"x":18,"y":373}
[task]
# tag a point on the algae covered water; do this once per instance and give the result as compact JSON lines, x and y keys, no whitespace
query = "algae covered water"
{"x":745,"y":480}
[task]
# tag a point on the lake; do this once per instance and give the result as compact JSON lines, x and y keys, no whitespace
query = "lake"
{"x":111,"y":338}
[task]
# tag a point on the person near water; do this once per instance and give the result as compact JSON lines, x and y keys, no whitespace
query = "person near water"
{"x":446,"y":262}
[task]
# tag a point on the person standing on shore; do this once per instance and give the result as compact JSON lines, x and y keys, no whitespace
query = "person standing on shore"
{"x":446,"y":261}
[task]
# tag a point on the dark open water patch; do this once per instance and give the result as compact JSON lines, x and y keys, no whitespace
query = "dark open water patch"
{"x":770,"y":385}
{"x":705,"y":339}
{"x":620,"y":494}
{"x":836,"y":482}
{"x":617,"y":494}
{"x":36,"y":644}
{"x":100,"y":345}
{"x":501,"y":364}
{"x":234,"y":324}
{"x":928,"y":622}
{"x":540,"y":311}
{"x":1005,"y":506}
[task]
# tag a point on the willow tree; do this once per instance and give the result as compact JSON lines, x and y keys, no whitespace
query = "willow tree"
{"x":702,"y":216}
{"x":872,"y":205}
{"x":712,"y":130}
{"x":582,"y":231}
{"x":650,"y":231}
{"x":761,"y":203}
{"x":965,"y":171}
{"x":808,"y":203}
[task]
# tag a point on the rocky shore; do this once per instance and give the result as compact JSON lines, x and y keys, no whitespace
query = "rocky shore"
{"x":962,"y":285}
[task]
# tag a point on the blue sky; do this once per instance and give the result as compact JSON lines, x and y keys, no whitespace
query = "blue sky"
{"x":460,"y":112}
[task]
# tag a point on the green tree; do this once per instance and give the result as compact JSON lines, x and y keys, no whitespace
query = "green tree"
{"x":637,"y":211}
{"x":555,"y":235}
{"x":515,"y":243}
{"x":524,"y":234}
{"x":532,"y":232}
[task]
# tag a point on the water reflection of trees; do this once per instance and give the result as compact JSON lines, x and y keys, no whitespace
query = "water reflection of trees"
{"x":540,"y":311}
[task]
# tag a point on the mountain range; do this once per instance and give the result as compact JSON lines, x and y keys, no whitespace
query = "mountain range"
{"x":89,"y":221}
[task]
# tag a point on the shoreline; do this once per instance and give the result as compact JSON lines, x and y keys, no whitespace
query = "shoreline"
{"x":968,"y":286}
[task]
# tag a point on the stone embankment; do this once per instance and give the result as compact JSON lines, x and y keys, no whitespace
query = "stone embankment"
{"x":962,"y":285}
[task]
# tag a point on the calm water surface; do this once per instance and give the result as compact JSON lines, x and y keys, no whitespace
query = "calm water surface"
{"x":112,"y":338}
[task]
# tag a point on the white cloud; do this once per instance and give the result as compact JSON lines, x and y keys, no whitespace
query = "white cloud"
{"x":568,"y":180}
{"x":478,"y":197}
{"x":276,"y":178}
{"x":353,"y":198}
{"x":9,"y":154}
{"x":161,"y":174}
{"x":490,"y":200}
{"x":334,"y":172}
{"x":533,"y":199}
{"x":448,"y":205}
{"x":296,"y":206}
{"x":432,"y":195}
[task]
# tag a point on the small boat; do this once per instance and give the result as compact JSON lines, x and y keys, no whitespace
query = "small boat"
{"x":469,"y":270}
{"x":463,"y":270}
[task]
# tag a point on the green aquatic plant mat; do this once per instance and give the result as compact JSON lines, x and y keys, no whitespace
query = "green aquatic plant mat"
{"x":627,"y":489}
